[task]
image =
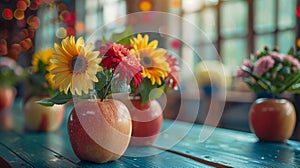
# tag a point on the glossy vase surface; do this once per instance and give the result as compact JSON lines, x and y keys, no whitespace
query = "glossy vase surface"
{"x":146,"y":121}
{"x":99,"y":131}
{"x":272,"y":119}
{"x":42,"y":118}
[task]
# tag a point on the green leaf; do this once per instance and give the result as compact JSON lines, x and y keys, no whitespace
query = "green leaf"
{"x":252,"y":58}
{"x":295,"y":88}
{"x":291,"y":51}
{"x":102,"y":79}
{"x":157,"y":92}
{"x":60,"y":98}
{"x":254,"y":86}
{"x":292,"y":80}
{"x":42,"y":68}
{"x":146,"y":88}
{"x":265,"y":84}
{"x":123,"y":37}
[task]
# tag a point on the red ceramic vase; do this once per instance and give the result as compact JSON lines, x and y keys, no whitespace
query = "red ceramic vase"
{"x":272,"y":119}
{"x":99,"y":131}
{"x":146,"y":121}
{"x":7,"y":96}
{"x":42,"y":118}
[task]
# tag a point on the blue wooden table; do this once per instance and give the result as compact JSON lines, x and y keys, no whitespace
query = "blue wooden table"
{"x":224,"y":148}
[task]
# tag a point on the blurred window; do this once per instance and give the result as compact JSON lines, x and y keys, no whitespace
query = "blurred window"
{"x":238,"y":28}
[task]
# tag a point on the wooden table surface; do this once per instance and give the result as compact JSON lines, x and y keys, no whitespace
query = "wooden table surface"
{"x":224,"y":148}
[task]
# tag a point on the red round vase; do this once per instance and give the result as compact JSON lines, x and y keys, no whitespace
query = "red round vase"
{"x":146,"y":121}
{"x":272,"y":119}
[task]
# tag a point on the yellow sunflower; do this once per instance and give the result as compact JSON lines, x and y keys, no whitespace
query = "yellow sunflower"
{"x":155,"y":66}
{"x":44,"y":56}
{"x":75,"y":66}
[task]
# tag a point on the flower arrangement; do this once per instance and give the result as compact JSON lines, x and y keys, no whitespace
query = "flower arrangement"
{"x":133,"y":65}
{"x":137,"y":63}
{"x":10,"y":72}
{"x":40,"y":80}
{"x":272,"y":72}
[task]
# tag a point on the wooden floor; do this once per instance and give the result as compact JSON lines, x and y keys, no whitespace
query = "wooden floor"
{"x":180,"y":145}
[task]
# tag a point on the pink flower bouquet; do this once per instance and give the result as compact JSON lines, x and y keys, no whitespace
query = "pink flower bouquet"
{"x":271,"y":72}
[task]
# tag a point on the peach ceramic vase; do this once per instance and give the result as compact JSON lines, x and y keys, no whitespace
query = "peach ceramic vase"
{"x":272,"y":119}
{"x":42,"y":118}
{"x":99,"y":131}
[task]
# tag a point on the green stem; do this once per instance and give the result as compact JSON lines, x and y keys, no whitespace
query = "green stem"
{"x":106,"y":89}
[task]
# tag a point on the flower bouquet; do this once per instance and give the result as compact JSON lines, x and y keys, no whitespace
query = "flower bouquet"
{"x":272,"y":72}
{"x":100,"y":126}
{"x":40,"y":85}
{"x":159,"y":73}
{"x":10,"y":74}
{"x":272,"y":119}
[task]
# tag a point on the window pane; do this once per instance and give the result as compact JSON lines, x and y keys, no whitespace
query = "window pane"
{"x":233,"y":52}
{"x":264,"y":40}
{"x":286,"y":40}
{"x":264,"y":14}
{"x":207,"y":52}
{"x":119,"y":8}
{"x":287,"y":17}
{"x":207,"y":22}
{"x":234,"y":18}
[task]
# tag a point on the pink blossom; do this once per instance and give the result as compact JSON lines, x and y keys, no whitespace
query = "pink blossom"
{"x":247,"y":63}
{"x":292,"y":60}
{"x":276,"y":56}
{"x":263,"y":65}
{"x":241,"y":74}
{"x":257,"y":53}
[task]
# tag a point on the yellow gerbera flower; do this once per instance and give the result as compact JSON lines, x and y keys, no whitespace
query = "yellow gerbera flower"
{"x":75,"y":66}
{"x":44,"y":56}
{"x":49,"y":77}
{"x":155,"y":66}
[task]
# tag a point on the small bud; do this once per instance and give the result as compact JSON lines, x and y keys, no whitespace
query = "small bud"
{"x":266,"y":48}
{"x":276,"y":48}
{"x":281,"y":77}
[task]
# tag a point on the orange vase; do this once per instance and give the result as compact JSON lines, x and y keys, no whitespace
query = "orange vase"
{"x":272,"y":119}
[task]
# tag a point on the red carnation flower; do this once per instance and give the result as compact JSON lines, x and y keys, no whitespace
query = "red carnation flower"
{"x":118,"y":57}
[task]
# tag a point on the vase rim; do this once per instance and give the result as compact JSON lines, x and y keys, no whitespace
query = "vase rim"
{"x":279,"y":100}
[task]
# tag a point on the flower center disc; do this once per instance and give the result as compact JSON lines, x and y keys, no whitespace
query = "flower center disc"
{"x":78,"y":64}
{"x":146,"y":61}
